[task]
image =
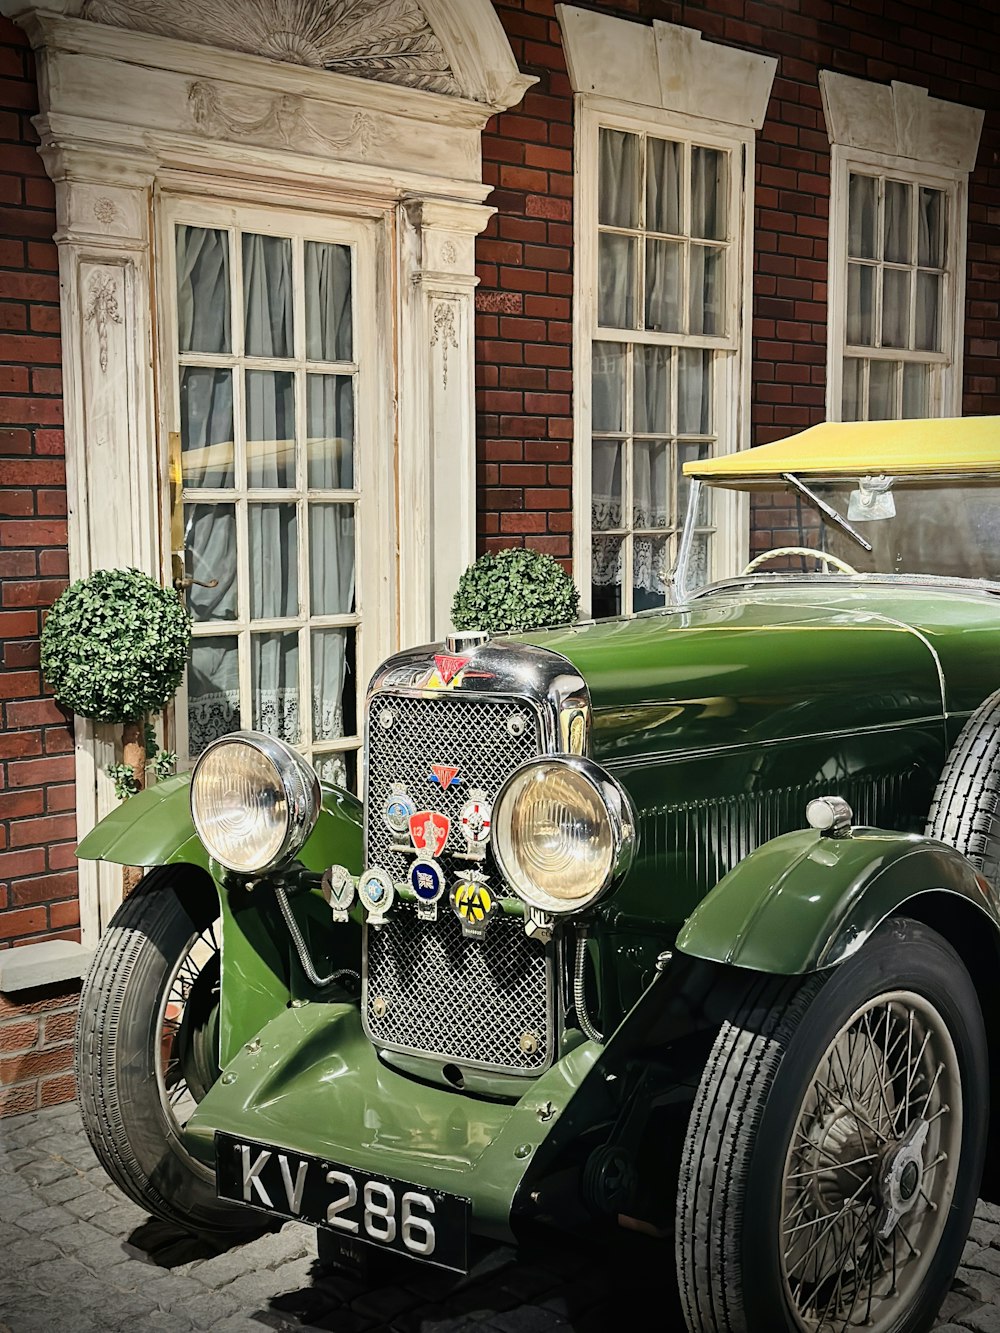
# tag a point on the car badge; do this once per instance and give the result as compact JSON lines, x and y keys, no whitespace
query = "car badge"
{"x":446,"y":775}
{"x":377,"y":893}
{"x":429,"y":831}
{"x":473,"y":903}
{"x":427,"y":883}
{"x":449,"y":667}
{"x":475,"y":819}
{"x":339,"y":891}
{"x":397,"y":808}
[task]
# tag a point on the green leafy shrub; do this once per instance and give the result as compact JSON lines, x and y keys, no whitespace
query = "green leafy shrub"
{"x":114,"y":646}
{"x":514,"y":590}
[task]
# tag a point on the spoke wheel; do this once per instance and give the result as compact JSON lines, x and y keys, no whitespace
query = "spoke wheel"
{"x":870,"y":1171}
{"x":835,"y":1146}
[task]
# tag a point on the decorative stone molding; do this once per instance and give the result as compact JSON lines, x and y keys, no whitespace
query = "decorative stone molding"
{"x":444,"y":334}
{"x":900,"y":120}
{"x":666,"y":66}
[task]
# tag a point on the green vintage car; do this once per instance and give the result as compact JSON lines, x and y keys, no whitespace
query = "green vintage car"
{"x":686,"y":922}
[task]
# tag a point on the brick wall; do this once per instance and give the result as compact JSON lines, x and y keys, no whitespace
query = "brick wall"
{"x":949,"y":50}
{"x":38,"y":891}
{"x":36,"y":1047}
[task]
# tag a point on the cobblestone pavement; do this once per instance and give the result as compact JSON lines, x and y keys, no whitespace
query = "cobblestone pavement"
{"x":78,"y":1256}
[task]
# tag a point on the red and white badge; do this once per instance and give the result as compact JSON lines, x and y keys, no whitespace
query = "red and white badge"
{"x":429,"y":832}
{"x":475,"y":818}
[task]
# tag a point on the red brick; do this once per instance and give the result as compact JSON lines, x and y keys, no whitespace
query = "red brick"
{"x":61,"y":855}
{"x":35,"y":772}
{"x":34,"y":1064}
{"x":16,"y":502}
{"x":18,"y":1100}
{"x":62,"y":915}
{"x":32,"y":592}
{"x":27,"y":921}
{"x":17,"y":744}
{"x":18,"y":1036}
{"x":43,"y":889}
{"x":544,"y":206}
{"x":18,"y":804}
{"x":37,"y":532}
{"x":56,"y":1091}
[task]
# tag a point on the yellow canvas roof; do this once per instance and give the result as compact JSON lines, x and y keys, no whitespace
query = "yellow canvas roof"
{"x":865,"y":448}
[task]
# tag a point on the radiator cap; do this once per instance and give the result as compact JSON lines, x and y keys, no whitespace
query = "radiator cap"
{"x":464,"y":640}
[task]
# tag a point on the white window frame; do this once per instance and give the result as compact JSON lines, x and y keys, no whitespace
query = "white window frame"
{"x":946,"y":378}
{"x":897,"y":130}
{"x":731,"y":388}
{"x":374,"y":497}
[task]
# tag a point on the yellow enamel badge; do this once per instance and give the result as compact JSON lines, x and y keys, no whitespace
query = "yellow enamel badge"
{"x":473,"y":904}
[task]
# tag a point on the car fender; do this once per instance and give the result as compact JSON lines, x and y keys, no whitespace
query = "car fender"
{"x":803,"y":902}
{"x":155,"y":828}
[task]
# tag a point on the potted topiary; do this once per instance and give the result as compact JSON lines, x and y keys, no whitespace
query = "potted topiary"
{"x":114,"y":646}
{"x":516,"y":589}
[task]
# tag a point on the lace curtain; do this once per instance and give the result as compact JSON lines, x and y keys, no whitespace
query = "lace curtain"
{"x":272,"y":528}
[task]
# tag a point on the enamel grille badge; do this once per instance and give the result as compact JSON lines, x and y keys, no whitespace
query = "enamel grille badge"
{"x":377,"y":894}
{"x":475,"y":819}
{"x":473,"y":903}
{"x":338,"y":890}
{"x":429,"y":831}
{"x":427,"y":883}
{"x":397,"y":808}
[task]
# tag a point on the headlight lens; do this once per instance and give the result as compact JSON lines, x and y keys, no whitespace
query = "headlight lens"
{"x":563,"y":831}
{"x":254,"y":801}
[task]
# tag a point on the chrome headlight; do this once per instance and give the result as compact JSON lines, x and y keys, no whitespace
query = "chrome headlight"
{"x":563,"y":832}
{"x":254,"y":801}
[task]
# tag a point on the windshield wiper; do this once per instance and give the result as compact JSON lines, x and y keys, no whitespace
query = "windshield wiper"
{"x":826,"y":509}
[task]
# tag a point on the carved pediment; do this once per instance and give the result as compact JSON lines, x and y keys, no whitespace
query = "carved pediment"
{"x":387,"y":40}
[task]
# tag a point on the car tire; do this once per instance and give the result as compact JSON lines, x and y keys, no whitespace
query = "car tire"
{"x":965,"y":812}
{"x":797,"y":1127}
{"x":146,"y":1048}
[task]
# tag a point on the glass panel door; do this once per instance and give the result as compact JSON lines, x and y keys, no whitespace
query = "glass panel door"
{"x":269,"y":386}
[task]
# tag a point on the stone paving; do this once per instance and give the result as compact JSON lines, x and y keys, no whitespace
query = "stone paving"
{"x":78,"y":1256}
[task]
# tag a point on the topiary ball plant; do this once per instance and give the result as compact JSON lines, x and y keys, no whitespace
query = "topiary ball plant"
{"x":114,"y":645}
{"x":514,"y":590}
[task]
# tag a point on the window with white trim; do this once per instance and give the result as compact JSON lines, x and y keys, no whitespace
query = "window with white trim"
{"x":896,"y":274}
{"x":664,"y":247}
{"x":900,"y":164}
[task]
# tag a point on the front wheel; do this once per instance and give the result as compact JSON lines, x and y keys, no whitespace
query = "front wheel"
{"x":147,"y":1047}
{"x":834,"y":1151}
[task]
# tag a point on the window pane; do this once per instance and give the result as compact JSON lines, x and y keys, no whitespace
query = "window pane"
{"x":882,"y":390}
{"x":270,"y":413}
{"x":207,"y":451}
{"x":927,"y":335}
{"x":608,"y":386}
{"x":331,"y":559}
{"x":930,"y":228}
{"x":606,"y":484}
{"x":606,"y":576}
{"x":663,"y":286}
{"x":328,"y":301}
{"x":618,"y":179}
{"x":651,"y":394}
{"x":663,"y":185}
{"x":274,"y":560}
{"x":274,"y":684}
{"x":690,"y":453}
{"x":709,"y":190}
{"x":707,"y":287}
{"x":213,"y":685}
{"x":650,"y":484}
{"x":895,"y":307}
{"x":340,"y":768}
{"x":210,"y":553}
{"x":916,"y":390}
{"x":616,"y":279}
{"x":267,"y":295}
{"x":694,"y":391}
{"x":860,"y":300}
{"x":896,"y":223}
{"x":650,"y":572}
{"x":333,"y":683}
{"x":852,"y":400}
{"x":203,"y":290}
{"x":330,"y":432}
{"x":861,"y":210}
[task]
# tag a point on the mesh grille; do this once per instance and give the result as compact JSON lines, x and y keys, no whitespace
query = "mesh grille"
{"x":461,"y":999}
{"x":465,"y":1000}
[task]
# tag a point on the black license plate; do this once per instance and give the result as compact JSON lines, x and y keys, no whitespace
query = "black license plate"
{"x":358,"y":1205}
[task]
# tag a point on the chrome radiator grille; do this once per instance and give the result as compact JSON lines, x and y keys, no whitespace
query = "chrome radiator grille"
{"x":427,"y":989}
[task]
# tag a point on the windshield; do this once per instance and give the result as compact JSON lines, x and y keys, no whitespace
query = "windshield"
{"x":947,"y":527}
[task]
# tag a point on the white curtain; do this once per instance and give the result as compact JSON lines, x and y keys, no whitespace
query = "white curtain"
{"x":273,"y":535}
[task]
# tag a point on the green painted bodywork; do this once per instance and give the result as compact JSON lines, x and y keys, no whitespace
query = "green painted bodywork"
{"x":804,"y":902}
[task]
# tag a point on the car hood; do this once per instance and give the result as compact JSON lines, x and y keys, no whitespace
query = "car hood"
{"x":761,"y":665}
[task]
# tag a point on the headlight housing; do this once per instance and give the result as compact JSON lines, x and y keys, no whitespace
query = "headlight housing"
{"x":563,"y":832}
{"x":254,"y":801}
